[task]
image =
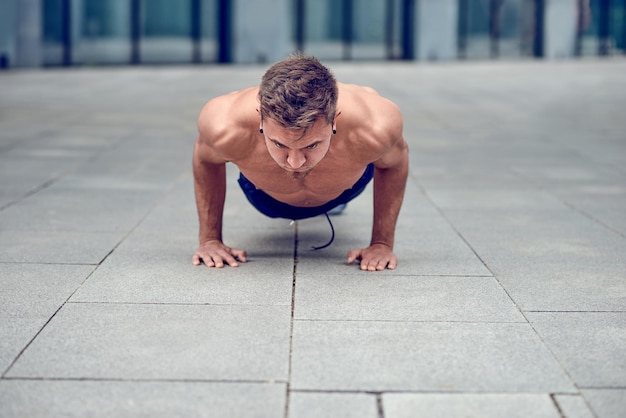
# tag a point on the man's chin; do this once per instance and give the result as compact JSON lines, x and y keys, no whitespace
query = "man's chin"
{"x":297,"y":174}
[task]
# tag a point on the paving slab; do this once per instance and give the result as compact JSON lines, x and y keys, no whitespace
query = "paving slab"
{"x":57,"y":247}
{"x":606,"y":403}
{"x":31,"y":294}
{"x":161,"y":342}
{"x":549,"y":260}
{"x":345,"y":405}
{"x":590,"y":345}
{"x":573,"y":406}
{"x":152,"y":267}
{"x":422,"y":356}
{"x":403,"y":298}
{"x":67,"y":210}
{"x":513,"y":211}
{"x":426,"y":243}
{"x":33,"y":398}
{"x":401,"y":405}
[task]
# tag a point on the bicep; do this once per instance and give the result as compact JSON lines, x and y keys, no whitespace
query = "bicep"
{"x":396,"y":150}
{"x":395,"y":156}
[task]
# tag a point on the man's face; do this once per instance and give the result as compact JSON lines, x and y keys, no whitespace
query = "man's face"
{"x":295,"y":151}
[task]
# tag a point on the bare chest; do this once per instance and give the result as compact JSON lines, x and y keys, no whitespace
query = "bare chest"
{"x":323,"y":183}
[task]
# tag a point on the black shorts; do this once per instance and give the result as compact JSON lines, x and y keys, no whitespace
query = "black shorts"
{"x":273,"y":208}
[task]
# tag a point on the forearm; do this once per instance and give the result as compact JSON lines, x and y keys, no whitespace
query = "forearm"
{"x":389,"y":186}
{"x":210,"y":191}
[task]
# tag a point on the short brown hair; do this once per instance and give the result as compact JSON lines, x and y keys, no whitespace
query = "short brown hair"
{"x":296,"y":91}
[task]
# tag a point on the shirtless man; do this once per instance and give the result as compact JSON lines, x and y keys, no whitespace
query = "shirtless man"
{"x":304,"y":144}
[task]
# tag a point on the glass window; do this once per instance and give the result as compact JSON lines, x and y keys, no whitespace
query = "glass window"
{"x":101,"y":32}
{"x":52,"y":32}
{"x":208,"y":22}
{"x":369,"y":29}
{"x":511,"y":21}
{"x":322,"y":28}
{"x":166,"y":31}
{"x":347,"y":29}
{"x":591,"y":21}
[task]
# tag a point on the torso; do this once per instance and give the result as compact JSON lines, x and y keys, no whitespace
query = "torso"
{"x":325,"y":182}
{"x":352,"y":149}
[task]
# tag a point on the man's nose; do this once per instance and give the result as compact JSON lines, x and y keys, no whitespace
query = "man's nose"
{"x":295,"y":159}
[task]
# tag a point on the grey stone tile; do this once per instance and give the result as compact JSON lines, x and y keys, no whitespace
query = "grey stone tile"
{"x":76,"y":210}
{"x":416,"y":356}
{"x":425,"y":245}
{"x":606,"y":403}
{"x":30,"y":295}
{"x":519,"y":405}
{"x":549,"y":260}
{"x":56,"y":247}
{"x":573,"y":406}
{"x":24,"y":398}
{"x":403,"y":298}
{"x":493,"y":198}
{"x":165,"y":342}
{"x":345,"y":405}
{"x":155,"y":267}
{"x":465,"y":405}
{"x":590,"y":345}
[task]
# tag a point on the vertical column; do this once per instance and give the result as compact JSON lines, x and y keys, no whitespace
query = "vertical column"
{"x":66,"y":28}
{"x":538,"y":40}
{"x":463,"y":29}
{"x":135,"y":31}
{"x":408,"y":29}
{"x":624,"y":27}
{"x":224,"y":31}
{"x":604,"y":27}
{"x":437,"y":29}
{"x":300,"y":22}
{"x":389,"y":19}
{"x":196,"y":30}
{"x":494,"y":27}
{"x":347,"y":29}
{"x":561,"y":21}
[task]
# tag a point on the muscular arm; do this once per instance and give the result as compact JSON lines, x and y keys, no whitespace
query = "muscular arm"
{"x":389,"y":186}
{"x":390,"y":175}
{"x":209,"y":172}
{"x":210,"y":191}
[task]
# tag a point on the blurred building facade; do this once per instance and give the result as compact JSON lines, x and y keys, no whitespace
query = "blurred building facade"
{"x":36,"y":33}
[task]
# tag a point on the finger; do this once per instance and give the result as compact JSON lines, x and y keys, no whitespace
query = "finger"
{"x":195,"y":260}
{"x":393,"y":263}
{"x":239,"y":254}
{"x":371,"y":265}
{"x":353,"y":256}
{"x":208,"y":261}
{"x":365,"y":265}
{"x":229,"y":259}
{"x":218,"y":261}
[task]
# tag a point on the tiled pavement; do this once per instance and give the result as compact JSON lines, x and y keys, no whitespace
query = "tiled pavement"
{"x":509,"y":300}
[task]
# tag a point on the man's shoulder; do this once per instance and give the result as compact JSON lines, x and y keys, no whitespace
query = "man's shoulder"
{"x":228,"y":106}
{"x":226,"y":121}
{"x":375,"y":120}
{"x":368,"y":103}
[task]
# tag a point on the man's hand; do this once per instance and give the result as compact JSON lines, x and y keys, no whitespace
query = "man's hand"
{"x":214,"y":253}
{"x":376,"y":257}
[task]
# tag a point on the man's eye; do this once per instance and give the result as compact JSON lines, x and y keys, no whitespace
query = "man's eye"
{"x":279,"y":145}
{"x":312,"y":146}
